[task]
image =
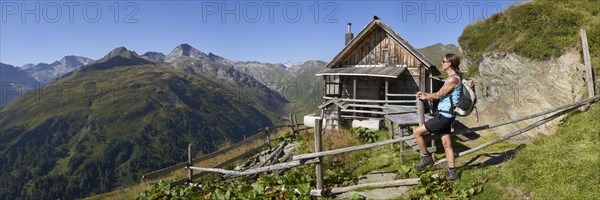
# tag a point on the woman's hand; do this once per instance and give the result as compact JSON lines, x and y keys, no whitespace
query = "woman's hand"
{"x":421,"y":95}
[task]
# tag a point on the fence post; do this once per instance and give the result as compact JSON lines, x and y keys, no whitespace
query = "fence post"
{"x":190,"y":163}
{"x":268,"y":135}
{"x":296,"y":132}
{"x":392,"y":132}
{"x":420,"y":111}
{"x":589,"y":76}
{"x":318,"y":148}
{"x":292,"y":124}
{"x":401,"y":129}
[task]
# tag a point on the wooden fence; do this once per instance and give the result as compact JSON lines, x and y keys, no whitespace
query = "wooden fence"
{"x":264,"y":134}
{"x":317,"y":157}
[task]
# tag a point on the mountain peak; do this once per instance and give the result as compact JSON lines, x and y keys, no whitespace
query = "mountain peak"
{"x":186,"y":51}
{"x":120,"y":52}
{"x":120,"y":56}
{"x":75,"y":61}
{"x":155,"y":57}
{"x":185,"y":46}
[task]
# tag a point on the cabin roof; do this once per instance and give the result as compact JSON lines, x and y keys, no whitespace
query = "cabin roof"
{"x":385,"y":72}
{"x":379,"y":23}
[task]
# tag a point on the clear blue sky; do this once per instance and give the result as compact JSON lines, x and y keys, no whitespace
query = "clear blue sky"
{"x":265,"y":31}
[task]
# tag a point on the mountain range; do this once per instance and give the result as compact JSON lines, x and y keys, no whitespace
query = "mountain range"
{"x":103,"y":125}
{"x":14,"y":82}
{"x":45,"y":73}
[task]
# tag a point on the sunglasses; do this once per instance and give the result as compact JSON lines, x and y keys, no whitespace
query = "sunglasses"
{"x":445,"y":61}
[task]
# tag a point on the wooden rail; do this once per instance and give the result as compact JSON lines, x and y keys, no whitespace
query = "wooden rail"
{"x":170,"y":169}
{"x":262,"y":134}
{"x":373,"y":101}
{"x":316,"y":157}
{"x":401,"y":95}
{"x":510,"y":135}
{"x":494,"y":125}
{"x":394,"y":183}
{"x":589,"y":73}
{"x":228,"y":162}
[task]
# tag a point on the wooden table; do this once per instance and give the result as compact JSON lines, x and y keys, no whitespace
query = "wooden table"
{"x":405,"y":117}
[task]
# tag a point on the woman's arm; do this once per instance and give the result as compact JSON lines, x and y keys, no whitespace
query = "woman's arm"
{"x":448,"y":86}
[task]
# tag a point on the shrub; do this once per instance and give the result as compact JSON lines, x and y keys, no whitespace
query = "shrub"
{"x":364,"y":134}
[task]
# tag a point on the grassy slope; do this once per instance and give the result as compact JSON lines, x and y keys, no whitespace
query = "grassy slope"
{"x":139,"y":119}
{"x":563,"y":165}
{"x":560,"y":166}
{"x":540,"y":30}
{"x":133,"y":191}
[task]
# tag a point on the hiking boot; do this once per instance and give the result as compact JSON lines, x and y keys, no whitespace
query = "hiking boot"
{"x":452,"y":174}
{"x":424,"y":161}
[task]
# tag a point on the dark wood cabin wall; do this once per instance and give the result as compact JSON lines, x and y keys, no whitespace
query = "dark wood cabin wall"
{"x":378,"y":47}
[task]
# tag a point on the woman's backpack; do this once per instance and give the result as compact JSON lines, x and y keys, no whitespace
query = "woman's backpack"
{"x":467,"y":99}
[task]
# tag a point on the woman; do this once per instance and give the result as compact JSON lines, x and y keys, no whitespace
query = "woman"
{"x":442,"y":122}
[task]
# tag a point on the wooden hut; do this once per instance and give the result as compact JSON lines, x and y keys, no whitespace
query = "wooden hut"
{"x":375,"y":71}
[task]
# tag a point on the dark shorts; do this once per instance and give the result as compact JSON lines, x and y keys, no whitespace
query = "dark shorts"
{"x":439,"y":124}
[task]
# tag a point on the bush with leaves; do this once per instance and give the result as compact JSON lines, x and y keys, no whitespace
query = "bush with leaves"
{"x":287,"y":137}
{"x":364,"y":134}
{"x":434,"y":186}
{"x":292,"y":185}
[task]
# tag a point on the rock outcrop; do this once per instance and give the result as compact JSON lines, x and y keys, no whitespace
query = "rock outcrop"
{"x":511,"y":86}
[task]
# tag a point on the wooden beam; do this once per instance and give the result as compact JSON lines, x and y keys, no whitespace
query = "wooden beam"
{"x":190,"y":163}
{"x":421,"y":112}
{"x":400,"y":95}
{"x":285,"y":158}
{"x":401,"y":129}
{"x":170,"y":169}
{"x":373,"y":101}
{"x":385,"y":184}
{"x":494,"y":125}
{"x":217,"y":170}
{"x":392,"y":133}
{"x":354,"y":88}
{"x":386,"y":91}
{"x":365,"y":106}
{"x":273,"y":154}
{"x":268,"y":137}
{"x":296,"y":125}
{"x":198,"y":175}
{"x":589,"y":76}
{"x":280,"y":166}
{"x":318,"y":148}
{"x":512,"y":134}
{"x":420,"y":105}
{"x":364,"y":111}
{"x":361,"y":117}
{"x":353,"y":148}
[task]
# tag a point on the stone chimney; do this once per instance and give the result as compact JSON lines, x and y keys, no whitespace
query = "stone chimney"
{"x":349,"y":35}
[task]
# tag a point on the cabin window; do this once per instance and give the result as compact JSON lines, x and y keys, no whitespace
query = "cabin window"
{"x":332,"y":86}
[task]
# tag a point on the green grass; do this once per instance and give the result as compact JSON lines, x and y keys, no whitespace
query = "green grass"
{"x":139,"y":119}
{"x":539,"y":30}
{"x":560,"y":166}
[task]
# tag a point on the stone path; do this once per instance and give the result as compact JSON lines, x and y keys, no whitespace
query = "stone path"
{"x":383,"y":193}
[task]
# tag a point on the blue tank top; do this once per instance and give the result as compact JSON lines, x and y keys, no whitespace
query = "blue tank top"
{"x":444,"y":105}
